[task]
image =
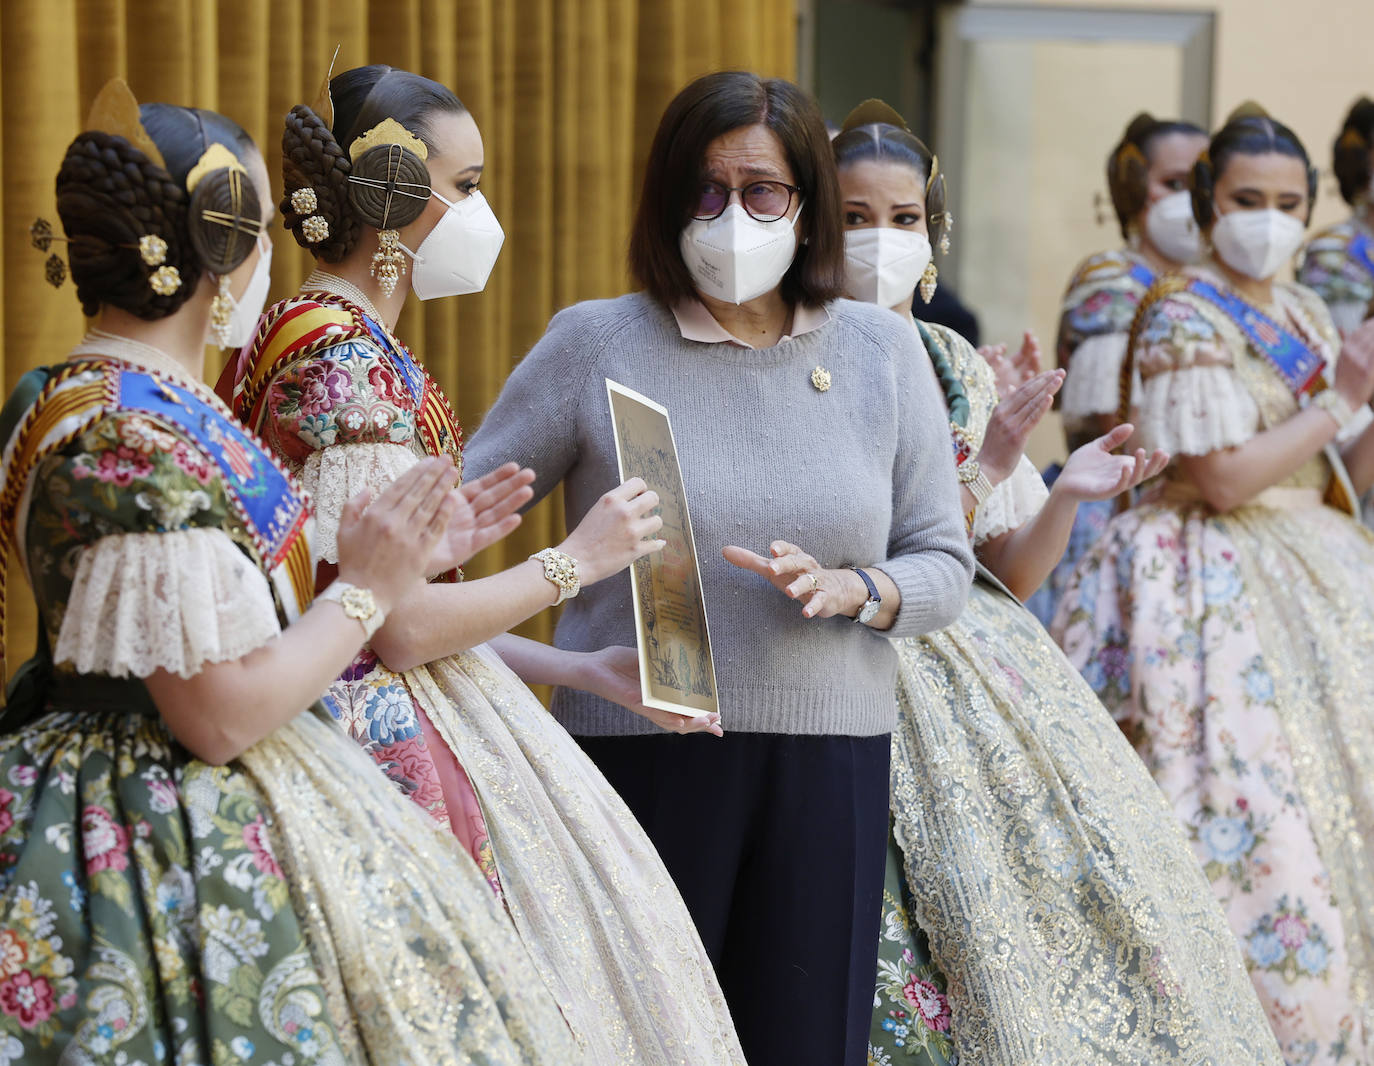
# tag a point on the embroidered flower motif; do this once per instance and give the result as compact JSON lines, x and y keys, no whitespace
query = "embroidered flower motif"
{"x":324,"y":385}
{"x":145,"y":436}
{"x":928,"y":1002}
{"x":259,"y":843}
{"x":1227,"y":840}
{"x":386,"y":384}
{"x":119,"y":467}
{"x":27,"y":998}
{"x":162,"y":791}
{"x":6,"y":818}
{"x":392,"y":715}
{"x":23,"y":775}
{"x":192,"y":462}
{"x":1291,"y":930}
{"x":13,"y":953}
{"x":318,"y":431}
{"x":104,"y":841}
{"x":1264,"y":948}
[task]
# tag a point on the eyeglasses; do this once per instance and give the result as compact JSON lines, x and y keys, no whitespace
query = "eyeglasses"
{"x":765,"y":201}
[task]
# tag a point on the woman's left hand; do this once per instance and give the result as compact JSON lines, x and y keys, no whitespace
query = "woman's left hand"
{"x":1094,"y":473}
{"x":613,"y":674}
{"x":823,"y":593}
{"x":1012,"y":373}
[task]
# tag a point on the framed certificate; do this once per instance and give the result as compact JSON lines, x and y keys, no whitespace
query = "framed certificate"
{"x":676,"y":671}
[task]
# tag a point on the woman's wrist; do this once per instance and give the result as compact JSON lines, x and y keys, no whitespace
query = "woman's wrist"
{"x":854,"y":593}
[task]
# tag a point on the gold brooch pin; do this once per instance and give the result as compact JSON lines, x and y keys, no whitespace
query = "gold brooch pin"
{"x":820,"y":379}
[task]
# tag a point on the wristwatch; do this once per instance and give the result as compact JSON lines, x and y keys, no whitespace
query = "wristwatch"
{"x":869,"y":610}
{"x":358,"y":603}
{"x":561,"y":569}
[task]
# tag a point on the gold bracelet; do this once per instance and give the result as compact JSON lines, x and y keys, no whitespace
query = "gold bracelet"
{"x":561,"y":569}
{"x":973,"y":478}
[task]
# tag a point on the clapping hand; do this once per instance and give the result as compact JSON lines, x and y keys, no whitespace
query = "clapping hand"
{"x":1093,"y":472}
{"x":488,"y":510}
{"x":1012,"y":421}
{"x":1012,"y":373}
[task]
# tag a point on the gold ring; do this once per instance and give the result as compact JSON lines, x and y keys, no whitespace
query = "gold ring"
{"x":815,"y":584}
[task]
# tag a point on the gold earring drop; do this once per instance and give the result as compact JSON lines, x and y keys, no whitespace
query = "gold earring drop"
{"x":221,"y":312}
{"x":388,"y":263}
{"x":928,"y":280}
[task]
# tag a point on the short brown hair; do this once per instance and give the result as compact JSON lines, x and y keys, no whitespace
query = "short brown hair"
{"x":709,"y":107}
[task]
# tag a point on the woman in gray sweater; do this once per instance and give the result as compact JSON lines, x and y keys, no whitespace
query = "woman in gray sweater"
{"x":815,"y":454}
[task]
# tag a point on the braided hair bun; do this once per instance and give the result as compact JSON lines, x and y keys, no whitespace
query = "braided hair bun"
{"x":109,"y":194}
{"x":386,"y":186}
{"x":1248,"y":131}
{"x":312,"y":159}
{"x":1350,"y":155}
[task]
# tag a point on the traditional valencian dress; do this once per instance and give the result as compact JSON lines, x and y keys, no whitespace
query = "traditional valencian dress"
{"x":1060,"y":900}
{"x":287,"y":907}
{"x":346,"y":406}
{"x":1235,"y":650}
{"x":1338,"y":264}
{"x":1094,"y":321}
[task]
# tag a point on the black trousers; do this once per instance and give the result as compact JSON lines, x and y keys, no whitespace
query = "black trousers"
{"x":777,"y":845}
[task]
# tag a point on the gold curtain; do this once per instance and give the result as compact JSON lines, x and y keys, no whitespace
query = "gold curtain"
{"x":567,"y":94}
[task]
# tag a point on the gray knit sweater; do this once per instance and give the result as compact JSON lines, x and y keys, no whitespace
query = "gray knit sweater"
{"x":861,"y":474}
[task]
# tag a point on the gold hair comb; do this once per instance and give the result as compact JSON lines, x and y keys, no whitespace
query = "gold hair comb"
{"x":388,"y":131}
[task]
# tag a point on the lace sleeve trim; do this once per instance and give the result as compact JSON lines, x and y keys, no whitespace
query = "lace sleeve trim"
{"x":335,"y":475}
{"x":1093,"y":384}
{"x":1013,"y":503}
{"x":1196,"y":410}
{"x":173,"y":601}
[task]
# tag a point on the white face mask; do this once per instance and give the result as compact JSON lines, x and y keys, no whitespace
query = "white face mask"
{"x":735,"y":257}
{"x":1257,"y":243}
{"x":243,"y":320}
{"x":458,"y":255}
{"x":1170,"y":225}
{"x":882,"y":264}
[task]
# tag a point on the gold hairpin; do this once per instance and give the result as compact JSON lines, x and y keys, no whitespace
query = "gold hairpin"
{"x":152,"y":249}
{"x":115,"y":111}
{"x":216,"y":157}
{"x":324,"y":101}
{"x":388,"y":131}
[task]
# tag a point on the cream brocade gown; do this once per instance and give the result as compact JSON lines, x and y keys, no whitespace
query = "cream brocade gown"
{"x":589,"y":895}
{"x":1235,"y":649}
{"x":1060,"y":899}
{"x":288,"y":907}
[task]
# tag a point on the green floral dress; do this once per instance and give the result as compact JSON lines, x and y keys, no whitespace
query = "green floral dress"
{"x":284,"y":909}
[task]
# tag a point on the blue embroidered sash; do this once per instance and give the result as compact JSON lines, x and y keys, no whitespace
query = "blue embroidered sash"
{"x":1300,"y":367}
{"x":1361,"y":249}
{"x":410,"y":373}
{"x":1142,"y":274}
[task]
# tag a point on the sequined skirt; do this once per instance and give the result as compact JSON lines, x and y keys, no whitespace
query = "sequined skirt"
{"x":1236,"y":652}
{"x":1061,"y":901}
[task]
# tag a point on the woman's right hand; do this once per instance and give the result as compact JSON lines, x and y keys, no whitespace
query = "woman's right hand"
{"x":386,"y":544}
{"x":1355,"y":368}
{"x":1012,"y":421}
{"x":615,"y":532}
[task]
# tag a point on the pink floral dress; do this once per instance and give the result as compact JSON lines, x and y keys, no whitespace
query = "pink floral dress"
{"x":1234,"y":650}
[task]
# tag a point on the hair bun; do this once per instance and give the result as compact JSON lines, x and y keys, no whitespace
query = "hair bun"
{"x":1138,"y":129}
{"x":389,"y":186}
{"x":110,"y":194}
{"x":873,"y":111}
{"x":312,"y":159}
{"x":224,"y":219}
{"x":1350,"y":155}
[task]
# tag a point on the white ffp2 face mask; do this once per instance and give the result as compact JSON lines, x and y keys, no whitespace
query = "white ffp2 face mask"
{"x":1257,"y":243}
{"x":882,"y":264}
{"x":735,"y":257}
{"x":1170,"y":225}
{"x":243,"y":320}
{"x":458,"y":255}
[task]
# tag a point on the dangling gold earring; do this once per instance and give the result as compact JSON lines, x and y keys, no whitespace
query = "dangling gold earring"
{"x":928,"y":280}
{"x":388,"y":263}
{"x":221,"y":312}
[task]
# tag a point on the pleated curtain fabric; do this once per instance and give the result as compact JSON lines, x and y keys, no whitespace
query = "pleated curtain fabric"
{"x":567,"y":94}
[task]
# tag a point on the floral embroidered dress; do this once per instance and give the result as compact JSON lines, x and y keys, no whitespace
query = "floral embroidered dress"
{"x":1061,"y":902}
{"x":1093,"y":325}
{"x":1338,"y":264}
{"x":286,"y":908}
{"x":1235,"y":651}
{"x":347,"y":407}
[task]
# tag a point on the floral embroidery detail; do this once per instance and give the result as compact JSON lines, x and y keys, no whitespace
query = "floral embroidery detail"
{"x":119,"y":467}
{"x":6,"y":818}
{"x":1287,"y":943}
{"x":13,"y":953}
{"x":323,"y":386}
{"x":260,"y":847}
{"x":105,"y":841}
{"x":27,"y":998}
